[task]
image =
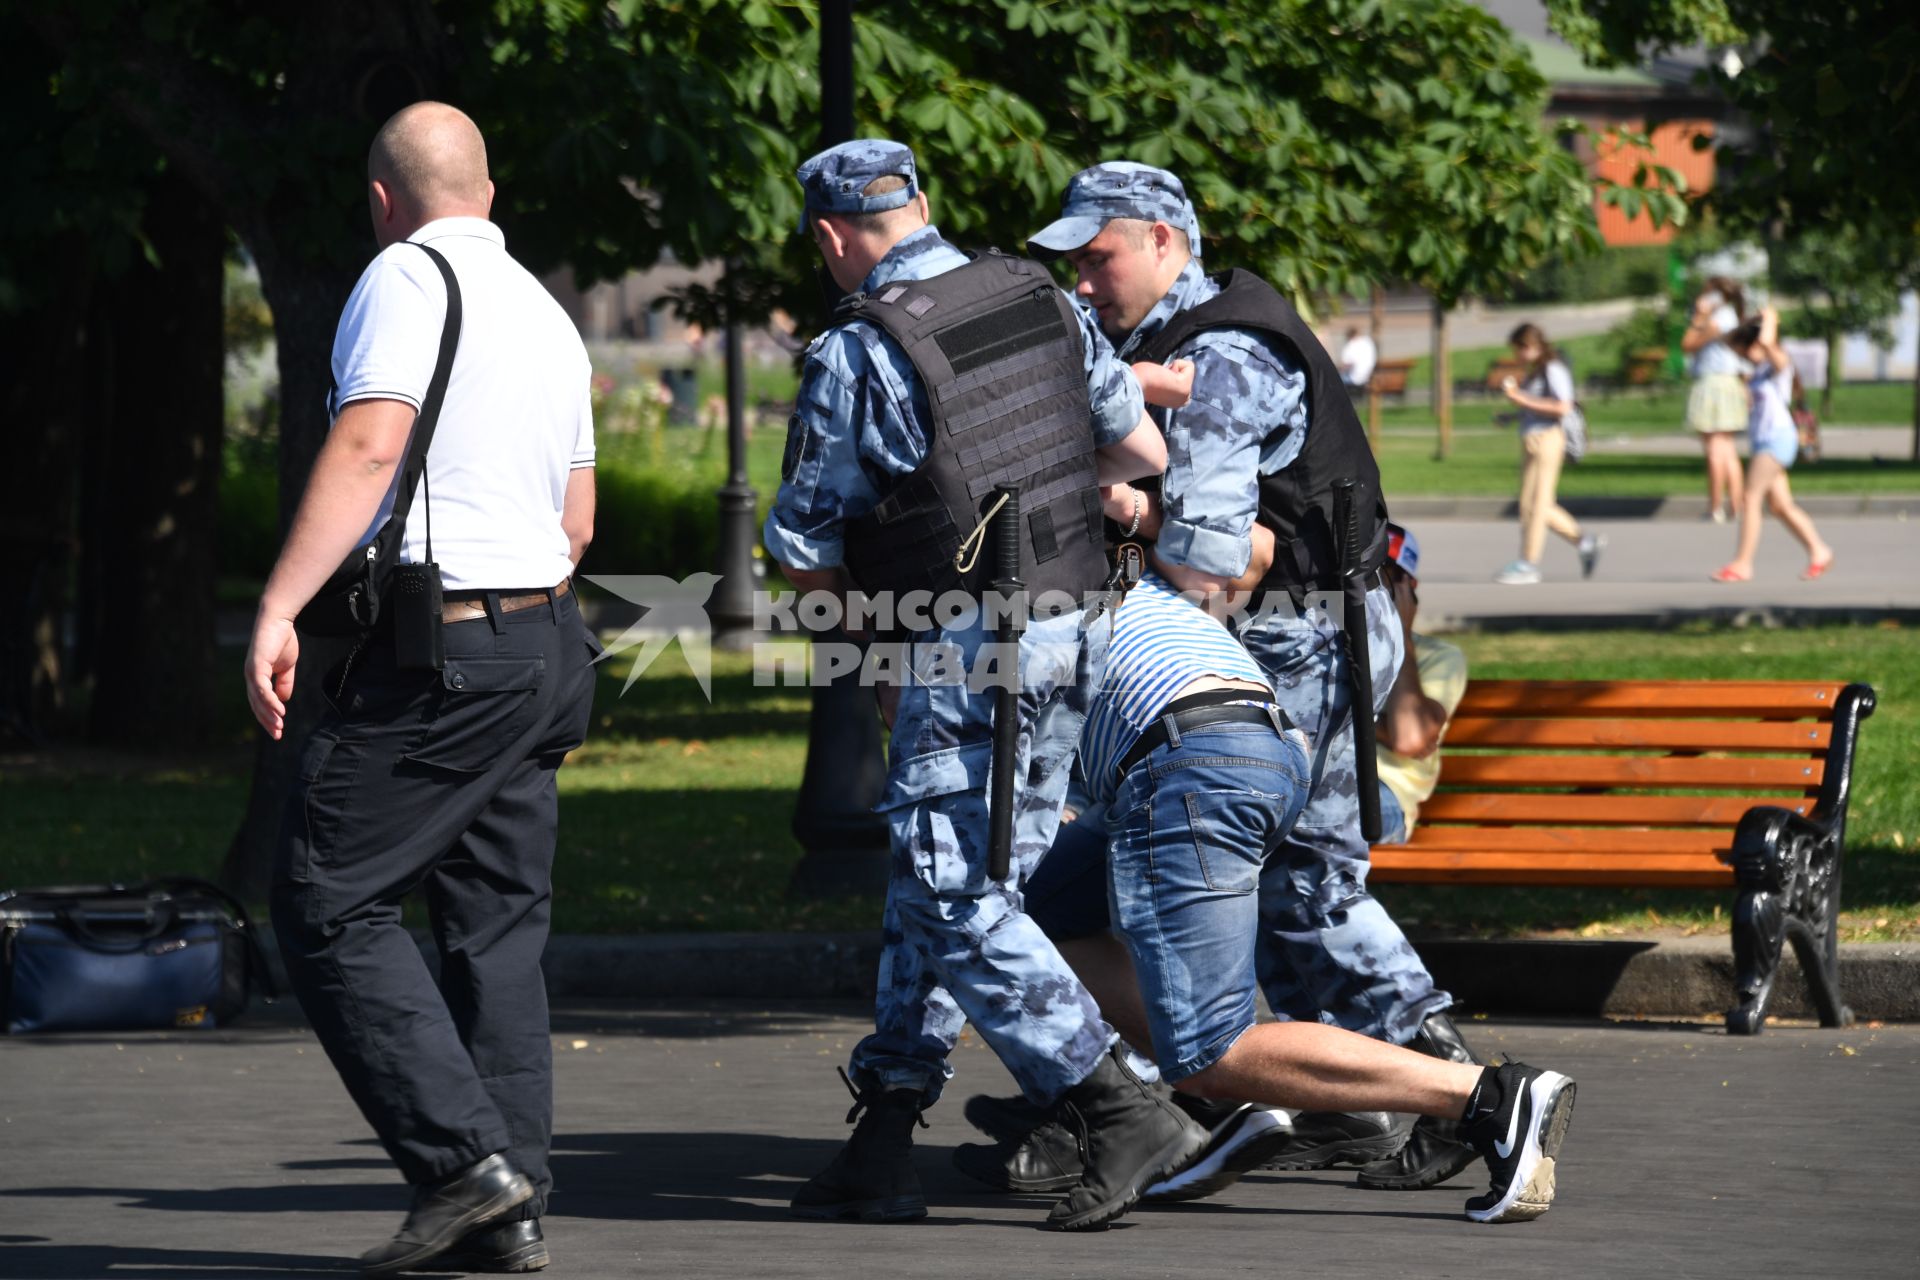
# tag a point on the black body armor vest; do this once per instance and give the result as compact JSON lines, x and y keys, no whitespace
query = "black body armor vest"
{"x":999,"y":354}
{"x":1296,"y":502}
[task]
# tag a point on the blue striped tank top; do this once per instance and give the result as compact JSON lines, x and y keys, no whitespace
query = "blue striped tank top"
{"x":1161,"y":643}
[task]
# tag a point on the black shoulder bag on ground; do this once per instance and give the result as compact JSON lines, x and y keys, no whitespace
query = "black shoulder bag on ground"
{"x":168,"y":953}
{"x":371,"y":577}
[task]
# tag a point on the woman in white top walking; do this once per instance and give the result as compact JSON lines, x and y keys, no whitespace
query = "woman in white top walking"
{"x":1717,"y":405}
{"x":1773,"y":440}
{"x":1545,"y":397}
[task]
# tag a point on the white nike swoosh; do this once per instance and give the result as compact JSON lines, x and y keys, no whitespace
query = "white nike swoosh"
{"x":1505,"y":1149}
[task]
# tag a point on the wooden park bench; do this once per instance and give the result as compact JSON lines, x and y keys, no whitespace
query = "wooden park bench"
{"x":1706,"y":784}
{"x":1390,"y":377}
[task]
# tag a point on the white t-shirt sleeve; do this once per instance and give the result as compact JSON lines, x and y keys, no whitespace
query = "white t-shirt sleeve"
{"x":1559,"y":382}
{"x":389,"y":334}
{"x":583,"y":435}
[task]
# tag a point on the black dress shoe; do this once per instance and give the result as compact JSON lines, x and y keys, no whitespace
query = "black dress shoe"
{"x":1048,"y":1159}
{"x":511,"y":1247}
{"x":446,"y":1210}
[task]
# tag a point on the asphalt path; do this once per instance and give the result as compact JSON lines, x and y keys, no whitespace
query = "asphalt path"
{"x":682,"y":1132}
{"x":1660,"y":571}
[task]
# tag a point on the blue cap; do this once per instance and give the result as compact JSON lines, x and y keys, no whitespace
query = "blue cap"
{"x":1117,"y":189}
{"x":832,"y":181}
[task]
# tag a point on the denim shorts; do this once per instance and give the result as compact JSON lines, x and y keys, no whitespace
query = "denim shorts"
{"x":1190,"y":830}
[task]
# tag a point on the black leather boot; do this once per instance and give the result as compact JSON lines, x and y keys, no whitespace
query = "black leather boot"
{"x":446,"y":1210}
{"x":872,"y":1179}
{"x":1435,"y":1151}
{"x":1047,"y":1159}
{"x":1323,"y":1139}
{"x":1132,"y":1139}
{"x":509,"y":1248}
{"x":1004,"y":1118}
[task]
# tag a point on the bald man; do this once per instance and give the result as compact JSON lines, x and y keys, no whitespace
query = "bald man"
{"x":433,"y":767}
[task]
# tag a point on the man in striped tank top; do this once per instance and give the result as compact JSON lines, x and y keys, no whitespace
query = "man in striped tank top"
{"x":1196,"y":777}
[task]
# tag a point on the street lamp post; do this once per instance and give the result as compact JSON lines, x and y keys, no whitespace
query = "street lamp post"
{"x":833,"y":819}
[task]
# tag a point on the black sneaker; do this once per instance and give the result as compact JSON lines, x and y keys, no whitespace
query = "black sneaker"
{"x":1323,"y":1139}
{"x":1047,"y":1159}
{"x":1242,"y":1140}
{"x":872,"y":1178}
{"x":1519,"y":1134}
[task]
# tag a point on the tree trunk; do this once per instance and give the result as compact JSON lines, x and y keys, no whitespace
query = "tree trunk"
{"x":1376,"y":323}
{"x":47,"y":414}
{"x":156,"y":472}
{"x":1442,"y":382}
{"x":1833,"y":375}
{"x":306,"y":299}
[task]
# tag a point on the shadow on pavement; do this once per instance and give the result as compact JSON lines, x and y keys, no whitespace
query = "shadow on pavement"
{"x":90,"y":1262}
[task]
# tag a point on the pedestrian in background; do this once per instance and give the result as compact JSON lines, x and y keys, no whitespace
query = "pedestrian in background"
{"x":1358,"y":356}
{"x":1544,"y":394}
{"x":1717,"y":405}
{"x":1773,"y":441}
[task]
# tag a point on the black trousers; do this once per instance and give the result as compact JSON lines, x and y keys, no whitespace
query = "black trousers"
{"x":442,"y":782}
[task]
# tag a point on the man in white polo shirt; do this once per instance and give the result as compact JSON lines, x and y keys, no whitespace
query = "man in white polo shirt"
{"x":440,"y":779}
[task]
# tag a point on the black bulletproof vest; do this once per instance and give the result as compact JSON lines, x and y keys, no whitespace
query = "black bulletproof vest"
{"x":1296,"y":502}
{"x":998,"y":351}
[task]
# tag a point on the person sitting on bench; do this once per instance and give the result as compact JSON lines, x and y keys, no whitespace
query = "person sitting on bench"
{"x":1419,"y":704}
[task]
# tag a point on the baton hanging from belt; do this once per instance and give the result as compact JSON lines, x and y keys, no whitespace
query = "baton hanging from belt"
{"x":1349,"y":551}
{"x":1008,"y":588}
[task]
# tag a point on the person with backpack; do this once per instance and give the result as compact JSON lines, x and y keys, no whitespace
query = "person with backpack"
{"x":1552,"y":430}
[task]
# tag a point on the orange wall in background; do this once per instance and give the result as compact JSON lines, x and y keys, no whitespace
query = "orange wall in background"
{"x":1673,"y":147}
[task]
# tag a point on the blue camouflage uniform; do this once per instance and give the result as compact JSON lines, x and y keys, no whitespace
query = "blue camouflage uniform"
{"x":958,"y":946}
{"x":1331,"y":952}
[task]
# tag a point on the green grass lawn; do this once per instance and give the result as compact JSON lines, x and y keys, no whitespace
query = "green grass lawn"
{"x":675,"y":814}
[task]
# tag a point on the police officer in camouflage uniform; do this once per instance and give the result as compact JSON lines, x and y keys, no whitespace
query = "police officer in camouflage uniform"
{"x":958,"y":946}
{"x":1331,"y":951}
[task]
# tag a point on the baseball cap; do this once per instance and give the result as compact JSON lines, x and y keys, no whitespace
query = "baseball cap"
{"x":1117,"y":189}
{"x":1403,"y":549}
{"x":831,"y":182}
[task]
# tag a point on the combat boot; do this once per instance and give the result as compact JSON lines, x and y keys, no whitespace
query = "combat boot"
{"x":1132,"y":1139}
{"x":1435,"y":1151}
{"x":1323,"y":1139}
{"x":872,"y":1179}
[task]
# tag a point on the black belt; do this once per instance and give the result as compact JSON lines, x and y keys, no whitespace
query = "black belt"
{"x":1197,"y":711}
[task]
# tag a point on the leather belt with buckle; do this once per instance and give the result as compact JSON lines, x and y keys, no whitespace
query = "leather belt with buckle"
{"x":469,"y":605}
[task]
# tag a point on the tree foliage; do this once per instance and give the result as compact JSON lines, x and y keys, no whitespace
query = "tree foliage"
{"x":1832,"y":92}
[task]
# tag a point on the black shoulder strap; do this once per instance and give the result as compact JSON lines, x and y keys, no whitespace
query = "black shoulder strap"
{"x":429,"y":416}
{"x":1245,"y":301}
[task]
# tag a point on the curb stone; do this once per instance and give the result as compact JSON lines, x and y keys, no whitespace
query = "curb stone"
{"x":1620,"y":977}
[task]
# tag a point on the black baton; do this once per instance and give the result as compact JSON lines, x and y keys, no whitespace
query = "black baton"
{"x":1350,"y":549}
{"x":1004,"y":533}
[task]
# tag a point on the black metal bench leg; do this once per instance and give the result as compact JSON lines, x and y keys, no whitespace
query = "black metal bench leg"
{"x":1759,"y":926}
{"x":1789,"y":878}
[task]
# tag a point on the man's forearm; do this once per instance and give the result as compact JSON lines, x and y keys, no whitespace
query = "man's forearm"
{"x":1141,"y":452}
{"x":342,"y":496}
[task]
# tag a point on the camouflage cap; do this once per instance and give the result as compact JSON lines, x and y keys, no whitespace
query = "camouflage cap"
{"x":1117,"y":189}
{"x":832,"y":181}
